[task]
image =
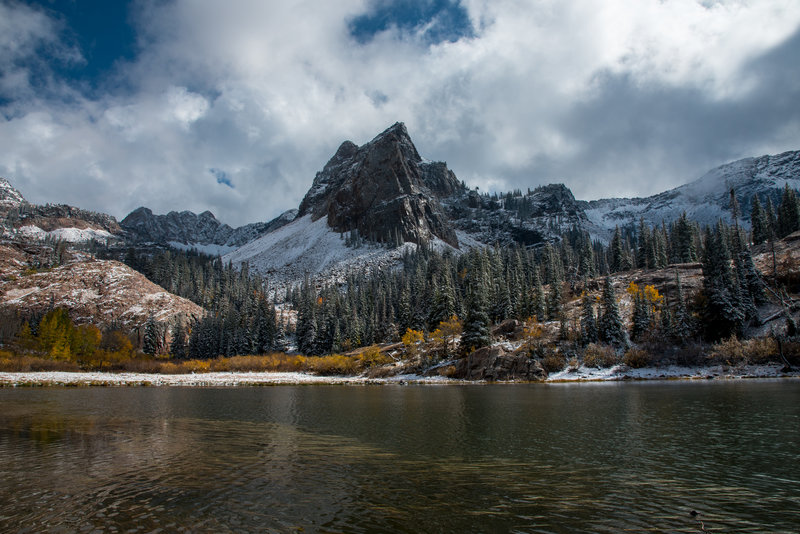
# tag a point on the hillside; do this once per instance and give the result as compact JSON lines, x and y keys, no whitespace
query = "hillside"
{"x":100,"y":292}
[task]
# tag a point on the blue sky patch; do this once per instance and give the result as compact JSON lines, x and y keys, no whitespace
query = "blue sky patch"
{"x":101,"y":30}
{"x":222,"y":178}
{"x":446,"y":20}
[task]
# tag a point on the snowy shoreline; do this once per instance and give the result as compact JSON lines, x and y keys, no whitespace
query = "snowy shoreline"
{"x":234,"y":379}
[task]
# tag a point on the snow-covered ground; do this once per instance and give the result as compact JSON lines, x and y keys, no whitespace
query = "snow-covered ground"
{"x":621,"y":372}
{"x":202,"y":379}
{"x":582,"y":374}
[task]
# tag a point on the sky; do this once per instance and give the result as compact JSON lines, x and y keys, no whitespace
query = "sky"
{"x":234,"y":106}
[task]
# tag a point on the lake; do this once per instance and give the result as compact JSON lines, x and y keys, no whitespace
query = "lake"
{"x":593,"y":457}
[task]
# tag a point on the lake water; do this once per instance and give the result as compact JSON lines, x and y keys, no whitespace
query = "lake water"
{"x":477,"y":458}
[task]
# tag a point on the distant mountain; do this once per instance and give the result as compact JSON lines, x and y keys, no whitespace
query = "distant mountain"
{"x":20,"y":218}
{"x":706,"y":199}
{"x":9,"y":197}
{"x":204,"y":232}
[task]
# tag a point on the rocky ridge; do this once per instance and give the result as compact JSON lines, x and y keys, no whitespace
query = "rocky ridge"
{"x":704,"y":200}
{"x":384,"y":191}
{"x":192,"y":230}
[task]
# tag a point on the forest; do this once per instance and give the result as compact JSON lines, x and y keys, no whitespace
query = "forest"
{"x":442,"y":305}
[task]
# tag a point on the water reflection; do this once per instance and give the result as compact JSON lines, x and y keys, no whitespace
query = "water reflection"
{"x":528,"y":458}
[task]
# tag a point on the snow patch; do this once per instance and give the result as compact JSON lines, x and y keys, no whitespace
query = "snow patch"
{"x":72,"y":235}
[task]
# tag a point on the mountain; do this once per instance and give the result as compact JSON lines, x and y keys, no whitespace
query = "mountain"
{"x":384,"y":191}
{"x":203,"y":232}
{"x":20,"y":218}
{"x":364,"y":210}
{"x":704,"y":200}
{"x":9,"y":197}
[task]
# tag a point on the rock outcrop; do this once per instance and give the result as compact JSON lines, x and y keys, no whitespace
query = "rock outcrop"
{"x":495,"y":363}
{"x":189,"y":228}
{"x":385,"y":191}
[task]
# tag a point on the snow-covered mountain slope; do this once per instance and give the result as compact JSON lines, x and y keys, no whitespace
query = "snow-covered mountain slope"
{"x":308,"y":248}
{"x":9,"y":196}
{"x":705,"y":200}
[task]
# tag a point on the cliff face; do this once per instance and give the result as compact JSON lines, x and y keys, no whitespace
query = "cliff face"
{"x":384,"y":190}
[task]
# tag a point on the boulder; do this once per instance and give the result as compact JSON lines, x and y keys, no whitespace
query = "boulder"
{"x":495,"y":363}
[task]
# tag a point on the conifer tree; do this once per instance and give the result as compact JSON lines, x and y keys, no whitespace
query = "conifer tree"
{"x":610,"y":327}
{"x":152,"y":341}
{"x":178,"y":347}
{"x":476,"y":325}
{"x":723,"y":315}
{"x":588,"y":321}
{"x":758,"y":222}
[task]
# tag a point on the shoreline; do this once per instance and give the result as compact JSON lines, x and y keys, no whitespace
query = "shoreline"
{"x":249,"y":379}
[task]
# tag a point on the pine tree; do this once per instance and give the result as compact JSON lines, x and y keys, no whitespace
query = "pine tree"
{"x":723,"y":315}
{"x":178,"y":347}
{"x":476,"y":326}
{"x":152,"y":341}
{"x":642,"y":317}
{"x":788,"y":213}
{"x":617,"y":255}
{"x":588,"y":321}
{"x":610,"y":327}
{"x":758,"y":222}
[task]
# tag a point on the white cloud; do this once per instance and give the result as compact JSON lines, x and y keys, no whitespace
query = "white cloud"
{"x":265,"y":92}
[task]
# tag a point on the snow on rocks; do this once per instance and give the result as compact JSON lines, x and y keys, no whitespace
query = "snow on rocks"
{"x":622,"y":372}
{"x":311,"y":248}
{"x":104,"y":290}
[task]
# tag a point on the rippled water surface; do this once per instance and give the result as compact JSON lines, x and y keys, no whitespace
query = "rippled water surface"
{"x":501,"y":458}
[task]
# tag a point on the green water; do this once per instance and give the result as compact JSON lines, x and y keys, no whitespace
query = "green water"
{"x":499,"y":458}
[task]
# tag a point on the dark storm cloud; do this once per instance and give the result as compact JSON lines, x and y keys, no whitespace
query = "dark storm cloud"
{"x":644,"y":139}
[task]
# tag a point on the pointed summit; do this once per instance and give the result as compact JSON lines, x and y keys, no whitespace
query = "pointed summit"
{"x":9,"y":196}
{"x":384,"y":190}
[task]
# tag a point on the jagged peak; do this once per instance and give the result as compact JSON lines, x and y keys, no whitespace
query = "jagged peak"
{"x":9,"y":195}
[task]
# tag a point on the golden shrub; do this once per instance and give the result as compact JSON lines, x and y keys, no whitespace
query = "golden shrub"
{"x":730,"y":351}
{"x":762,"y":350}
{"x":637,"y":358}
{"x":599,"y":355}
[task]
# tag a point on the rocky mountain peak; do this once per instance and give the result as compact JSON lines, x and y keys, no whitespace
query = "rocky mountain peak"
{"x":384,"y":190}
{"x":9,"y":196}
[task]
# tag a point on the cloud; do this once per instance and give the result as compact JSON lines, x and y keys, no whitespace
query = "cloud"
{"x":610,"y":98}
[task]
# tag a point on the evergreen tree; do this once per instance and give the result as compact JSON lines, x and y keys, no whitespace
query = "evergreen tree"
{"x":758,"y":222}
{"x":178,"y":347}
{"x":723,"y":315}
{"x":476,"y":326}
{"x":788,"y":213}
{"x":617,"y":262}
{"x":588,"y":321}
{"x":610,"y":327}
{"x":152,"y":342}
{"x":642,"y":317}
